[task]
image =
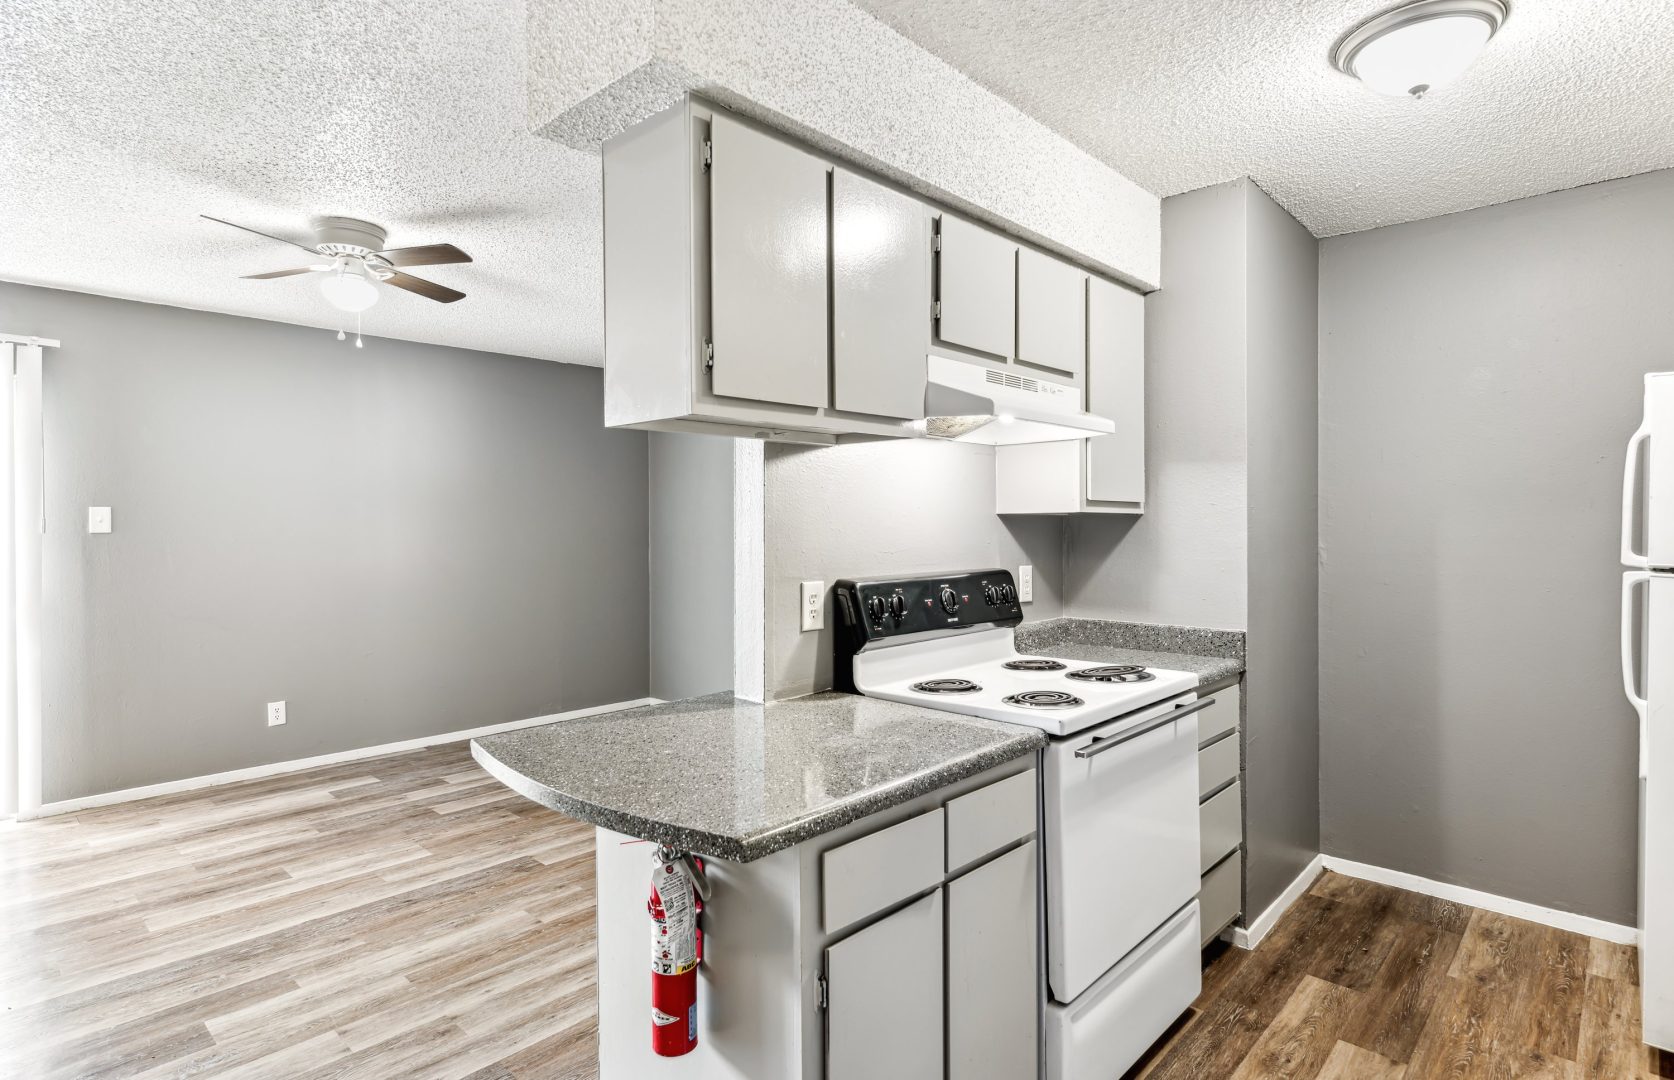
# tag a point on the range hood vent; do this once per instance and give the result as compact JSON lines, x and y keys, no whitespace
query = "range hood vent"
{"x":970,"y":402}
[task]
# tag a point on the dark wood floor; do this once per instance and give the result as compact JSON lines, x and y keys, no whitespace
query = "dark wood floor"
{"x":400,"y":917}
{"x":1363,"y":982}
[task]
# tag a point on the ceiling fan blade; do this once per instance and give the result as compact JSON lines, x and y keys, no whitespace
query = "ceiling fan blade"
{"x":258,"y":232}
{"x":424,"y":288}
{"x":282,"y":273}
{"x":428,"y":255}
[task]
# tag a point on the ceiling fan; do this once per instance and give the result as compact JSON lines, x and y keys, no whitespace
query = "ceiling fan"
{"x":358,"y":261}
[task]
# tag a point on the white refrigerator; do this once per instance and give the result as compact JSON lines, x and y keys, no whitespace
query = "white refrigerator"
{"x":1648,"y":677}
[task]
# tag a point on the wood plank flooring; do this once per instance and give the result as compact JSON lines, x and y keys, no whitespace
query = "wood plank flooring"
{"x":400,"y":917}
{"x":408,"y":917}
{"x":1365,"y":982}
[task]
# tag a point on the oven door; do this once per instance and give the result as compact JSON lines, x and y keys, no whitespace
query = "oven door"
{"x":1121,"y":838}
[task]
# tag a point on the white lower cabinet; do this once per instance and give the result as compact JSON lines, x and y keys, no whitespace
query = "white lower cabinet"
{"x":993,"y":970}
{"x":884,"y":1005}
{"x":1106,"y":1029}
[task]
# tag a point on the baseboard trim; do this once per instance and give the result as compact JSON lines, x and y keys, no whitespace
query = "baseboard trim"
{"x":1251,"y":936}
{"x":278,"y":768}
{"x":1502,"y":905}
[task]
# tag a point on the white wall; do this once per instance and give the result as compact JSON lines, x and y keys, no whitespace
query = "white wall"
{"x":1480,"y":376}
{"x":875,"y":509}
{"x":691,"y":586}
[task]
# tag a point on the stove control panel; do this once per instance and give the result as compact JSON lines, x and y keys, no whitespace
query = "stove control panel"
{"x":877,"y":610}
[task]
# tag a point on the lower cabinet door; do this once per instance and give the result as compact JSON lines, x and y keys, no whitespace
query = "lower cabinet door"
{"x":884,"y":998}
{"x":993,"y":972}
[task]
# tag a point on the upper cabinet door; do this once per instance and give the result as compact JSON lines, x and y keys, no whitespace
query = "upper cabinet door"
{"x":880,"y":296}
{"x":1116,"y":390}
{"x":978,"y":289}
{"x":1051,"y":314}
{"x":768,"y":248}
{"x":884,"y":1004}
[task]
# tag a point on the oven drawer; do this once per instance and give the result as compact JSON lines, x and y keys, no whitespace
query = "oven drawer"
{"x":1105,"y":1030}
{"x":1121,"y":839}
{"x":1223,"y":825}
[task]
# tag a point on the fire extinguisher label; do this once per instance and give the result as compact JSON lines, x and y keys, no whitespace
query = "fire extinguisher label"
{"x":661,"y":1018}
{"x":674,"y":935}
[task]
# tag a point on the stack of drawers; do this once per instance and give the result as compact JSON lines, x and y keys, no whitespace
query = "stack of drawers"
{"x":1221,"y":798}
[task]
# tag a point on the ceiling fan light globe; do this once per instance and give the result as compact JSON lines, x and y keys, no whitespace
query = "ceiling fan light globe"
{"x":348,"y":291}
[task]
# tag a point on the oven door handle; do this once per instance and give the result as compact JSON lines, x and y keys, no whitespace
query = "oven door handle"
{"x":1099,"y":746}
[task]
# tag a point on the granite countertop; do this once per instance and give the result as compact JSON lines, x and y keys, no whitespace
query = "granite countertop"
{"x":1213,"y":655}
{"x":737,"y":780}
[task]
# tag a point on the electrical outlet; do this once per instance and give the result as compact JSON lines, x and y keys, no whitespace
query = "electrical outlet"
{"x":275,"y":713}
{"x":98,"y":519}
{"x":1025,"y":584}
{"x":813,"y":605}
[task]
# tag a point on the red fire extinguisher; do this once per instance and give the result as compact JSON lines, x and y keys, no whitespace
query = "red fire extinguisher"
{"x":677,"y":888}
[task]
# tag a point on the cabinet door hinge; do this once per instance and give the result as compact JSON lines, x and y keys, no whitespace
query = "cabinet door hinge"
{"x":708,"y":355}
{"x":708,"y":154}
{"x":936,"y":242}
{"x":825,"y":997}
{"x":936,"y":310}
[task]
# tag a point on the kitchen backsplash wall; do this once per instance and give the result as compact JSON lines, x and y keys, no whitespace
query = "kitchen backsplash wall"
{"x":1481,"y":374}
{"x":399,"y":541}
{"x":879,"y":508}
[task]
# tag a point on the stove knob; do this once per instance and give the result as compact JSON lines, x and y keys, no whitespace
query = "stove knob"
{"x":1008,"y":594}
{"x":993,"y":594}
{"x":875,"y":608}
{"x":898,"y":606}
{"x":950,"y":600}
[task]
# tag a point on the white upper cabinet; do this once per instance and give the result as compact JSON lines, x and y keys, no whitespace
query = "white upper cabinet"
{"x":1051,"y":314}
{"x":880,"y":298}
{"x":1116,"y":390}
{"x":768,"y":260}
{"x":977,"y":289}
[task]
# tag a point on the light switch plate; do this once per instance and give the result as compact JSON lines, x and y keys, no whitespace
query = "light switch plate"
{"x":98,"y":519}
{"x":275,"y":713}
{"x":813,"y":605}
{"x":1025,"y":584}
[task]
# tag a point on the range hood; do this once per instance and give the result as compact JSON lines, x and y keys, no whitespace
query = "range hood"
{"x":969,"y":402}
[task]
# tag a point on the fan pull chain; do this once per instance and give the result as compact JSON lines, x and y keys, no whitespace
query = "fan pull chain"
{"x":358,"y":343}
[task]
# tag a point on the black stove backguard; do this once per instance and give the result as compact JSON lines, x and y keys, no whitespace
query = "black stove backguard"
{"x":892,"y":611}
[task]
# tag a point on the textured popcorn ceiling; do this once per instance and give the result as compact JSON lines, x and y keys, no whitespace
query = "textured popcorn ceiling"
{"x":121,"y":121}
{"x":1178,"y":95}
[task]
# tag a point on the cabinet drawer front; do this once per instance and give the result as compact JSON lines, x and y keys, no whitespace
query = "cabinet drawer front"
{"x":1221,"y":897}
{"x":1105,"y":1030}
{"x":1222,"y":717}
{"x":1223,"y":825}
{"x":867,"y":875}
{"x":767,"y":208}
{"x":1216,"y":764}
{"x":990,"y":818}
{"x":993,"y":970}
{"x":884,"y":1016}
{"x":977,"y":280}
{"x":1051,"y":313}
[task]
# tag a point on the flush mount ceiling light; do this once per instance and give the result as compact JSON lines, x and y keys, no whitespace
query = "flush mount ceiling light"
{"x":1418,"y":47}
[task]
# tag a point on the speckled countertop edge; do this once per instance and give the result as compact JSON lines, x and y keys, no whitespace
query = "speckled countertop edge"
{"x":1213,"y":655}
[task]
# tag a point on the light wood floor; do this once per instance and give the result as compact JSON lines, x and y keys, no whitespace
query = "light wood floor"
{"x":409,"y":917}
{"x":400,"y":917}
{"x":1365,"y":982}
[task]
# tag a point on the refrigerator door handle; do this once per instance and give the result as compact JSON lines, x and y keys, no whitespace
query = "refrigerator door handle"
{"x":1630,"y":489}
{"x":1630,"y":666}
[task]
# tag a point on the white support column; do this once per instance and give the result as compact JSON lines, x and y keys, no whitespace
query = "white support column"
{"x":28,"y":515}
{"x":749,"y":580}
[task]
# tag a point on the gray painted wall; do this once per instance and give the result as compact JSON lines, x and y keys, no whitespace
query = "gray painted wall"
{"x":691,"y":564}
{"x":1281,"y":686}
{"x":398,"y":541}
{"x":879,"y":508}
{"x":1184,"y":560}
{"x":1229,"y":537}
{"x":1480,"y":377}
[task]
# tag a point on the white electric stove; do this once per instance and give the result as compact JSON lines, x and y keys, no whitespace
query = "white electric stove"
{"x":1119,"y":787}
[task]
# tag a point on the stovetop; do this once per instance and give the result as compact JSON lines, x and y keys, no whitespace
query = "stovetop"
{"x":979,"y":674}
